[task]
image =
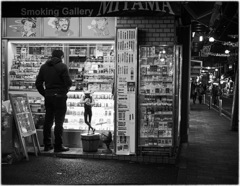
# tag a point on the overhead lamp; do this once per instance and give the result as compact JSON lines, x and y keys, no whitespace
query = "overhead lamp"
{"x":227,"y":51}
{"x":211,"y":39}
{"x":162,"y":59}
{"x":193,"y":34}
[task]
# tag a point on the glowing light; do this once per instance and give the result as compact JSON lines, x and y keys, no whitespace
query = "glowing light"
{"x":193,"y":34}
{"x":201,"y":38}
{"x":227,"y":51}
{"x":162,"y":59}
{"x":211,"y":39}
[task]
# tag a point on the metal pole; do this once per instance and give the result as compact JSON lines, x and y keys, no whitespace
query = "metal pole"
{"x":220,"y":107}
{"x":235,"y":109}
{"x":210,"y":102}
{"x":204,"y":99}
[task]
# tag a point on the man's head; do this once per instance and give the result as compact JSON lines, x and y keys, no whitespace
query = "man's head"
{"x":63,"y":24}
{"x":58,"y":53}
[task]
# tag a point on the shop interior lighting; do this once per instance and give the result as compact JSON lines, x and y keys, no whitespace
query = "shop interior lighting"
{"x":201,"y":38}
{"x":216,"y":69}
{"x":162,"y":59}
{"x":227,"y":51}
{"x":193,"y":34}
{"x":211,"y":39}
{"x":61,"y":42}
{"x":162,"y":51}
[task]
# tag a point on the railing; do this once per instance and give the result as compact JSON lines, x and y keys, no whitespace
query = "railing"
{"x":216,"y":105}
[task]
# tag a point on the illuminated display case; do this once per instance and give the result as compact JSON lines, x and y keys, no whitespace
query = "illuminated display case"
{"x":91,"y":67}
{"x":159,"y":93}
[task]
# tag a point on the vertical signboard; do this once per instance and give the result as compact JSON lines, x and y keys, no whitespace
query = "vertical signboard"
{"x":126,"y":87}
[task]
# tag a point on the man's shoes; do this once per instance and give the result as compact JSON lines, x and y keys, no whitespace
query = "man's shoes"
{"x":48,"y":148}
{"x":61,"y":149}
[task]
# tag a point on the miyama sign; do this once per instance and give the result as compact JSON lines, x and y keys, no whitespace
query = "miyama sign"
{"x":114,"y":7}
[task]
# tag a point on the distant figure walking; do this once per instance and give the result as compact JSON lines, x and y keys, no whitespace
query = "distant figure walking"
{"x":215,"y":94}
{"x":194,"y":92}
{"x":200,"y":92}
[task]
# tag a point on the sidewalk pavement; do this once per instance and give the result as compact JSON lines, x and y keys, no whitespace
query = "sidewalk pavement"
{"x":209,"y":157}
{"x":211,"y":154}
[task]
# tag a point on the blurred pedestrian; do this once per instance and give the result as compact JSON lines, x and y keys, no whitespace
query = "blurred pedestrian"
{"x":219,"y":93}
{"x":215,"y":94}
{"x":200,"y":92}
{"x":194,"y":92}
{"x":53,"y":83}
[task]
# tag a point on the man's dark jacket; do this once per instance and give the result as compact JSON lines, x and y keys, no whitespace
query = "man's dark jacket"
{"x":54,"y":74}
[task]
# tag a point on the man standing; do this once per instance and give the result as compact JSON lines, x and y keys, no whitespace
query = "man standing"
{"x":55,"y":76}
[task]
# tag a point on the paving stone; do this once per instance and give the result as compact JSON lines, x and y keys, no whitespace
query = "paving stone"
{"x":212,"y":153}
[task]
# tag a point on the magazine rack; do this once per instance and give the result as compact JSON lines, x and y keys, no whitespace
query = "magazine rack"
{"x":24,"y":122}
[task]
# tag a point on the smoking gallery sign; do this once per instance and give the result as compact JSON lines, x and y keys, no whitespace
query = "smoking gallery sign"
{"x":89,"y":9}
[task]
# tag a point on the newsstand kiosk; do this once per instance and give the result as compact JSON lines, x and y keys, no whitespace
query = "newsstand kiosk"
{"x":136,"y":87}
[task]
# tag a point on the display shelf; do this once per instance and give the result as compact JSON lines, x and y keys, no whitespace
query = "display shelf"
{"x":25,"y":62}
{"x":82,"y":59}
{"x":153,"y":94}
{"x":98,"y":74}
{"x":38,"y":113}
{"x":74,"y":68}
{"x":156,"y":96}
{"x":21,"y":89}
{"x":98,"y":81}
{"x":75,"y":55}
{"x":95,"y":65}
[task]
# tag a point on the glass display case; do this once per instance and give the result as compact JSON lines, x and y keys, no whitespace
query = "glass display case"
{"x":25,"y":62}
{"x":91,"y":67}
{"x":158,"y":96}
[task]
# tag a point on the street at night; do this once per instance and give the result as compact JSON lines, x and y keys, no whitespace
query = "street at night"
{"x":119,"y":92}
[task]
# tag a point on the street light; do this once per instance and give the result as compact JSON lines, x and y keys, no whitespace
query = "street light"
{"x":211,"y":39}
{"x":227,"y":51}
